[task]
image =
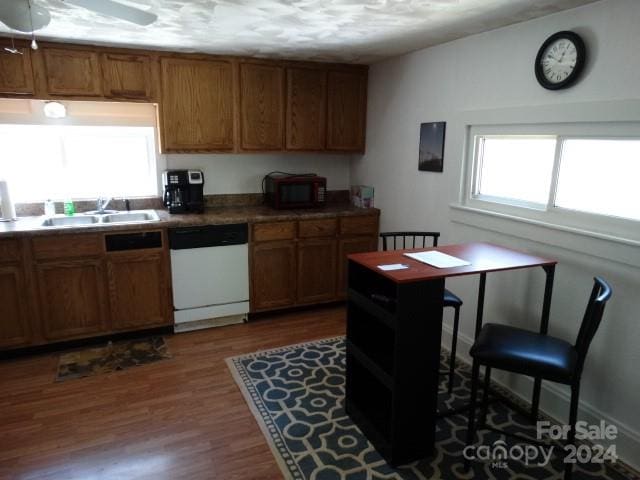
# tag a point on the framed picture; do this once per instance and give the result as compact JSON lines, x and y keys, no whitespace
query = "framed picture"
{"x":431,"y":152}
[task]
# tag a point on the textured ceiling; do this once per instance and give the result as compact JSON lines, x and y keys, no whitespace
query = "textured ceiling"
{"x":326,"y":30}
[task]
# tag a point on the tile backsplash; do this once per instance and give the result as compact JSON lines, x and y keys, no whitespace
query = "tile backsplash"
{"x":155,"y":203}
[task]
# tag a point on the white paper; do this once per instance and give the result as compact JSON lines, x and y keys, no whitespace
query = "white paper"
{"x":393,"y":266}
{"x":438,"y":259}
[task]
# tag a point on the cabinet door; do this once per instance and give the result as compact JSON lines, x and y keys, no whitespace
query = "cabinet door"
{"x":14,"y":318}
{"x":138,"y":290}
{"x":347,"y":246}
{"x":126,"y":76}
{"x":316,"y":270}
{"x":261,"y":106}
{"x":16,"y":75}
{"x":346,"y":110}
{"x":72,"y":298}
{"x":197,"y":105}
{"x":273,"y":275}
{"x":306,"y":108}
{"x":72,"y":72}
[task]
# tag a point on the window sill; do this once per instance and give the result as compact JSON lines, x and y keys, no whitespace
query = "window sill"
{"x":626,"y":251}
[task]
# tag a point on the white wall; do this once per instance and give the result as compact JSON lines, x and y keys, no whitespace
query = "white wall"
{"x":244,"y":173}
{"x":494,"y":71}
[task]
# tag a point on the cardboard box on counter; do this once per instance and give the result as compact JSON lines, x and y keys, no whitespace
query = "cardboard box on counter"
{"x":362,"y":196}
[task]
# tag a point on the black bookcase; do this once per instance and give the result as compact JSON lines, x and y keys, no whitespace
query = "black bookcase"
{"x":393,"y":355}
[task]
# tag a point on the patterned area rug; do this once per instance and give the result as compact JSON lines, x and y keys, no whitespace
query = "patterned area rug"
{"x":296,"y":394}
{"x":115,"y":356}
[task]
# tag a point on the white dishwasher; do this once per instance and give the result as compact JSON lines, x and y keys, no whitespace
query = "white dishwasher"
{"x":210,"y":275}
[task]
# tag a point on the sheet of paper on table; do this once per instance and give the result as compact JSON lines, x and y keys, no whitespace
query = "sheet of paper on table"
{"x":438,"y":259}
{"x":393,"y":266}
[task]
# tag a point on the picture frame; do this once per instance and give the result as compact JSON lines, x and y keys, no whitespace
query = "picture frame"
{"x":431,"y":147}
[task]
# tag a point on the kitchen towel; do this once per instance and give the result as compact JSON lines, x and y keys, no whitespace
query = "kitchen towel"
{"x":7,"y":208}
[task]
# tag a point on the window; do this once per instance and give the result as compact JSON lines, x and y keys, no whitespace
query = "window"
{"x":54,"y":161}
{"x":600,"y":176}
{"x":558,"y":173}
{"x":515,"y":168}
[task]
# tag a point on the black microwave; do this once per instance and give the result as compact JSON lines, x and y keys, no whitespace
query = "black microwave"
{"x":295,"y":191}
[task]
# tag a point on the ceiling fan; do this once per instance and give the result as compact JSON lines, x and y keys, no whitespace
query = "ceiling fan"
{"x":27,"y":16}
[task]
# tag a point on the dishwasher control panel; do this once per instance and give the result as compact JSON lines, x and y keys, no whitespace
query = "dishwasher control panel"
{"x":183,"y":238}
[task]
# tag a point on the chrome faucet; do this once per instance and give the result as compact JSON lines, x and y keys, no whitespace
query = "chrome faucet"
{"x":101,"y":204}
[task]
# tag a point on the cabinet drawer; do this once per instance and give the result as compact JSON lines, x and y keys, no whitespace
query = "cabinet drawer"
{"x":263,"y":232}
{"x":317,"y":228}
{"x":9,"y":250}
{"x":67,"y":246}
{"x":365,"y":225}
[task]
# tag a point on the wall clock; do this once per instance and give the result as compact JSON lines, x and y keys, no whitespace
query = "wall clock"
{"x":560,"y":60}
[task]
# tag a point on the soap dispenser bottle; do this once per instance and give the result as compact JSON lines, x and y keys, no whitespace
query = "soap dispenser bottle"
{"x":69,"y":208}
{"x":49,"y":208}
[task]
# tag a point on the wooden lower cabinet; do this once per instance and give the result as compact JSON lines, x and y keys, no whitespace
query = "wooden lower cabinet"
{"x":68,"y":287}
{"x":347,"y":246}
{"x":72,"y":298}
{"x":308,"y":263}
{"x":316,"y":267}
{"x":15,"y":329}
{"x":137,"y":290}
{"x":273,"y":275}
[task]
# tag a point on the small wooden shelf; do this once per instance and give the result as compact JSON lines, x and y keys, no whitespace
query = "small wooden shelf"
{"x":372,"y":308}
{"x":370,"y":285}
{"x":370,"y":426}
{"x":372,"y":400}
{"x":393,"y":353}
{"x":381,"y":373}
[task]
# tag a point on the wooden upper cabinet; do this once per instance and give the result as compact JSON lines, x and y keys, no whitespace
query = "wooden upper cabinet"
{"x":197,"y":105}
{"x":306,"y":108}
{"x":127,"y":76}
{"x":71,"y":72}
{"x":346,"y":110}
{"x":261,"y":106}
{"x":16,"y":75}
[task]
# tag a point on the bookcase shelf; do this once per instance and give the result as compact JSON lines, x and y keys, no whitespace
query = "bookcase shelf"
{"x":393,"y":350}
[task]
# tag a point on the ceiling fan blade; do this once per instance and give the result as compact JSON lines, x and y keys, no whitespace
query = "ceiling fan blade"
{"x":118,"y":10}
{"x":15,"y":15}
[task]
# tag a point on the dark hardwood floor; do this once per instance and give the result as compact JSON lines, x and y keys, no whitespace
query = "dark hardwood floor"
{"x":182,"y":418}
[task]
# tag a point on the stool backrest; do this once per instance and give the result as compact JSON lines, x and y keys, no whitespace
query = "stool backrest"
{"x":600,"y":294}
{"x":415,"y":240}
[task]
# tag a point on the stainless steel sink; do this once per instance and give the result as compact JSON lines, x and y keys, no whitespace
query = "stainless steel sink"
{"x":140,"y":216}
{"x":136,"y":216}
{"x":70,"y":221}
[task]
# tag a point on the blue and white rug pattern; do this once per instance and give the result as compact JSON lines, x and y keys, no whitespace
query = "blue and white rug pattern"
{"x":296,"y":394}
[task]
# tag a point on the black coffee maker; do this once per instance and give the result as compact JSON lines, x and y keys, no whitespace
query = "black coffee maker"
{"x":183,"y":191}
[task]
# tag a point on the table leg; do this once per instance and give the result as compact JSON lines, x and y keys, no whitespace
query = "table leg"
{"x":544,"y":327}
{"x":480,"y":310}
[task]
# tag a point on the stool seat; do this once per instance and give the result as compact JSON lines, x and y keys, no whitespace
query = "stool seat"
{"x":451,"y":299}
{"x":521,"y":351}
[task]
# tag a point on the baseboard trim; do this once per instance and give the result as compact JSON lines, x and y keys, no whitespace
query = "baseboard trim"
{"x":555,"y":404}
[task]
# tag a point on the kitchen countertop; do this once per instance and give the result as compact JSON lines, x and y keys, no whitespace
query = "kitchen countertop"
{"x":211,"y":216}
